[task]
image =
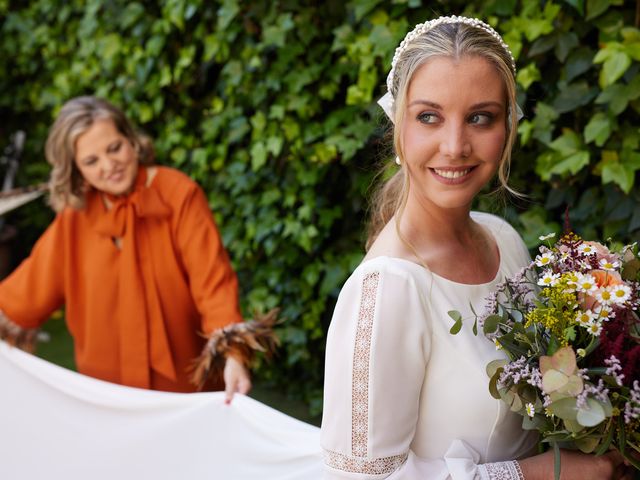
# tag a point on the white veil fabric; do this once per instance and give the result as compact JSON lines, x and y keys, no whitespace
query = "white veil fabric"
{"x":58,"y":424}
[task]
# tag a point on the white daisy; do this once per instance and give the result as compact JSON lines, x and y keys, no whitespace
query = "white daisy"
{"x":595,"y":328}
{"x":548,"y":279}
{"x":604,"y":295}
{"x":547,"y":236}
{"x":604,"y":313}
{"x":586,"y":283}
{"x":586,"y":249}
{"x":545,"y":259}
{"x":586,"y":317}
{"x":531,"y":410}
{"x":608,"y":265}
{"x":620,"y":293}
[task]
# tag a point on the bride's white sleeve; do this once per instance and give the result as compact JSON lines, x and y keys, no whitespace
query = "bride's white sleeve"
{"x":377,"y":352}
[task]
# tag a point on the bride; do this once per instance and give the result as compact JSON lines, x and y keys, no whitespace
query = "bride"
{"x":403,"y":398}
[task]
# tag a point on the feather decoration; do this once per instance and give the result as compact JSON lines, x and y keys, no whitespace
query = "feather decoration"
{"x":13,"y":334}
{"x":240,"y":340}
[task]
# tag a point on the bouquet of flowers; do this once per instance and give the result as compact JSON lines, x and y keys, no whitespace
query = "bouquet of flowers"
{"x":569,"y":326}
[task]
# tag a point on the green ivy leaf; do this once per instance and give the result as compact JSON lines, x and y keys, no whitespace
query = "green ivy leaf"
{"x":572,"y":164}
{"x":577,"y":4}
{"x":566,"y":43}
{"x":573,"y":96}
{"x":258,"y":156}
{"x":616,"y":96}
{"x":578,"y":62}
{"x":598,"y":129}
{"x":567,"y":143}
{"x":596,"y":8}
{"x":614,"y":67}
{"x":527,"y":75}
{"x":226,"y":13}
{"x":618,"y":173}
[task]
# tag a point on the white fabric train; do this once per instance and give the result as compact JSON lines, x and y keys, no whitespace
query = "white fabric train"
{"x":57,"y":424}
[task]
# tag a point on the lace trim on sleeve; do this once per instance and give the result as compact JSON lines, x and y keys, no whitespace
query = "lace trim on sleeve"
{"x":501,"y":471}
{"x":376,"y":466}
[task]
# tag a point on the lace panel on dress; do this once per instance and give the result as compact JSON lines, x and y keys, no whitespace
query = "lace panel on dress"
{"x":501,"y":471}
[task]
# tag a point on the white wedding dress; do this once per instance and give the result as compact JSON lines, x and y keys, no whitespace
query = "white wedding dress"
{"x":59,"y":425}
{"x":405,"y":399}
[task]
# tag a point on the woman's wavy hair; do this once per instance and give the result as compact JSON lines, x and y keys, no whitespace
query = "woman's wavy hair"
{"x":66,"y":184}
{"x":457,"y":40}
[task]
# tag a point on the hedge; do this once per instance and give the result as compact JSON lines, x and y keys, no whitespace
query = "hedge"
{"x":270,"y":106}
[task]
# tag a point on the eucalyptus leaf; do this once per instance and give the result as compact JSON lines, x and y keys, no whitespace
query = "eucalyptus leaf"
{"x":565,"y":408}
{"x":491,"y":324}
{"x":591,"y":414}
{"x":495,"y":365}
{"x":573,"y":426}
{"x":587,"y":444}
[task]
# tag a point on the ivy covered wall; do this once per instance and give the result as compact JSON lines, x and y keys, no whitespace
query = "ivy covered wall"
{"x":270,"y":106}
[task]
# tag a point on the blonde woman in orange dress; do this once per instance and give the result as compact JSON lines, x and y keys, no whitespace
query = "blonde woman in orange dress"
{"x":135,"y":258}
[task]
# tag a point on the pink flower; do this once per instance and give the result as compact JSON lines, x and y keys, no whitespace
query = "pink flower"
{"x":602,"y":252}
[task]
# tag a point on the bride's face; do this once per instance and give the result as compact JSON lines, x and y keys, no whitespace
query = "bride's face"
{"x":454,"y":130}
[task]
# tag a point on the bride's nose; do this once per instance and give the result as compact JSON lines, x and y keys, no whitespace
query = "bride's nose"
{"x":454,"y":142}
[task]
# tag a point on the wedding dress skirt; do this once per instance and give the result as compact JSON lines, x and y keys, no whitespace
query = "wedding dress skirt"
{"x":57,"y":424}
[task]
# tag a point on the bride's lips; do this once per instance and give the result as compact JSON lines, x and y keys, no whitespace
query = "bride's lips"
{"x":452,"y":175}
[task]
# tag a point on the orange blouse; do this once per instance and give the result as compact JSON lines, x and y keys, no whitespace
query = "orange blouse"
{"x":136,"y":309}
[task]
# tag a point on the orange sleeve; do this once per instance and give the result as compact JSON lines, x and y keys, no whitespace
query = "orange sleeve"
{"x":35,"y":289}
{"x":212,"y":281}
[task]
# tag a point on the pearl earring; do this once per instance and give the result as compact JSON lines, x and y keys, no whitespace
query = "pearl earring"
{"x":398,"y":160}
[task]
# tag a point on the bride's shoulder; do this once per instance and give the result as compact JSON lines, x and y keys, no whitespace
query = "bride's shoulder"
{"x":498,"y":225}
{"x":394,"y":277}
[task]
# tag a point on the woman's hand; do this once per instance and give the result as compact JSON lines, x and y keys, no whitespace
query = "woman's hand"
{"x":577,"y":466}
{"x":236,"y":379}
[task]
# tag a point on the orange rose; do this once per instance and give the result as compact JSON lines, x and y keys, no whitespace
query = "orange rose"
{"x":606,"y":279}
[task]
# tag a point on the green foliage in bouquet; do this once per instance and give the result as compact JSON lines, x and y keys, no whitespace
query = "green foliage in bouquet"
{"x":568,"y":326}
{"x":271,"y":107}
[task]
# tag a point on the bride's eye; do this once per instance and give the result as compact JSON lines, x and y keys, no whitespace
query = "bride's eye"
{"x":481,"y":118}
{"x":428,"y":117}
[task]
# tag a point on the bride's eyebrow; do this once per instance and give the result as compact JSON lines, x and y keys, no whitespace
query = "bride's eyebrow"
{"x":426,"y":103}
{"x":475,"y":106}
{"x":491,"y":103}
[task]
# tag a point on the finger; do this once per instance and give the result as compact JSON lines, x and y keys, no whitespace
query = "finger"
{"x":230,"y":389}
{"x":244,"y":385}
{"x":616,"y":458}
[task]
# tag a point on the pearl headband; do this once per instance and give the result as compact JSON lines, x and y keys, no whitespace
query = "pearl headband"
{"x":386,"y":102}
